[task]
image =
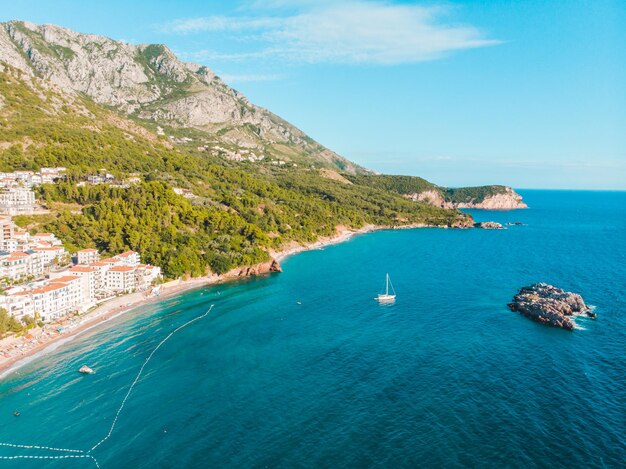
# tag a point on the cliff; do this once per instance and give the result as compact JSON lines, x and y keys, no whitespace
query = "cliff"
{"x":508,"y":199}
{"x":420,"y":190}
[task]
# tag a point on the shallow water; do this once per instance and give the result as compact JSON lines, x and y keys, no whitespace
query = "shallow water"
{"x":444,"y":377}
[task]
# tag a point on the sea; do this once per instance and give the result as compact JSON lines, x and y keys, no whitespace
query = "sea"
{"x":304,"y":369}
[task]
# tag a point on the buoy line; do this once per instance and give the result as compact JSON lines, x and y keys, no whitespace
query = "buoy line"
{"x":87,"y":454}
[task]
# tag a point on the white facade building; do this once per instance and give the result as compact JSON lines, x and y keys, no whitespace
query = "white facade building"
{"x":129,"y":258}
{"x":89,"y":276}
{"x":87,"y":256}
{"x":120,"y":279}
{"x":17,"y":200}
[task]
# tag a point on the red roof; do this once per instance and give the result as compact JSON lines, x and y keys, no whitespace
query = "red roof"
{"x":18,"y":254}
{"x":65,"y":279}
{"x":48,"y":288}
{"x":80,"y":268}
{"x":121,"y":268}
{"x":88,"y":250}
{"x":126,"y":254}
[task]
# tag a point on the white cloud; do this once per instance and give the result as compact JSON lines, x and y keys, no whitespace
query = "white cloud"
{"x":356,"y":32}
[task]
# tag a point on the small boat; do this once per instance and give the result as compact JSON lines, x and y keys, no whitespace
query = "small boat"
{"x":86,"y":370}
{"x":16,"y":413}
{"x":387,"y":297}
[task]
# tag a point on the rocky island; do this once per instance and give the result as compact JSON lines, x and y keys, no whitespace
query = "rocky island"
{"x":489,"y":225}
{"x":550,"y":305}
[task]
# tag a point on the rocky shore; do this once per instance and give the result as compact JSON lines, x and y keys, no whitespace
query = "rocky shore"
{"x":550,"y":305}
{"x":489,"y":225}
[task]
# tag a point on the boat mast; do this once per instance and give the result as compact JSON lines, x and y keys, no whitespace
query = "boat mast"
{"x":387,"y":285}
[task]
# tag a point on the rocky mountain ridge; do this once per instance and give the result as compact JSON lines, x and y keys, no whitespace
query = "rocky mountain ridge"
{"x":149,"y":82}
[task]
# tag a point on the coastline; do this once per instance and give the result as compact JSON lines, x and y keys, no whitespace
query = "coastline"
{"x":16,"y":352}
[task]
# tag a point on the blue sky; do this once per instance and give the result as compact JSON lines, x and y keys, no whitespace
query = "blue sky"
{"x":525,"y":93}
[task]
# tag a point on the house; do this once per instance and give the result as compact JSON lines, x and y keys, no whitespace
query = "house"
{"x":46,"y":238}
{"x":146,"y":275}
{"x":51,"y":254}
{"x":87,"y":256}
{"x":129,"y":258}
{"x":18,"y":305}
{"x":120,"y":279}
{"x":14,"y":265}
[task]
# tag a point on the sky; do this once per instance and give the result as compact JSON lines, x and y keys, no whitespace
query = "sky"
{"x":525,"y":93}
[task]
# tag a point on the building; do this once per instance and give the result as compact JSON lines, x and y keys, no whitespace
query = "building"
{"x":120,"y":279}
{"x":14,"y":266}
{"x":17,"y":200}
{"x":46,"y":239}
{"x":129,"y":258}
{"x":87,"y":256}
{"x":146,"y":276}
{"x":18,"y":305}
{"x":77,"y":287}
{"x":90,"y":278}
{"x":51,"y":253}
{"x":29,"y":179}
{"x":100,"y":268}
{"x":7,"y":228}
{"x":51,"y":301}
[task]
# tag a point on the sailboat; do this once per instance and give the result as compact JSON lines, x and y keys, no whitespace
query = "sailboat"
{"x":386,"y":297}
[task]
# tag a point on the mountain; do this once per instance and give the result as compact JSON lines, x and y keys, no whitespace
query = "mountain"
{"x":148,"y":82}
{"x":217,"y":182}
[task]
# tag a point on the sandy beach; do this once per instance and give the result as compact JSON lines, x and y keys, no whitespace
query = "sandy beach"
{"x":18,"y":350}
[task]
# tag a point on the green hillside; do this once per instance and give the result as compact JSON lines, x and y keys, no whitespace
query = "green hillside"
{"x":241,"y":209}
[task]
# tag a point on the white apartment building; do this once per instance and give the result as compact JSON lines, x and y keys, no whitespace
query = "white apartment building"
{"x":120,"y":279}
{"x":76,"y":290}
{"x":17,"y":200}
{"x":87,"y":256}
{"x":18,"y":305}
{"x":90,"y":285}
{"x":129,"y":258}
{"x":52,"y":301}
{"x":14,"y":266}
{"x":51,"y":253}
{"x":100,"y":269}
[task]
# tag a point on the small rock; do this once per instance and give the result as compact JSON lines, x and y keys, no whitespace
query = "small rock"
{"x":489,"y":225}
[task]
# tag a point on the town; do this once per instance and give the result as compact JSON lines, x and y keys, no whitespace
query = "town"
{"x":41,"y":280}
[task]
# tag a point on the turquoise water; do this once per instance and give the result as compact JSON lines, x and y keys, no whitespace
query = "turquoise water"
{"x":445,"y":377}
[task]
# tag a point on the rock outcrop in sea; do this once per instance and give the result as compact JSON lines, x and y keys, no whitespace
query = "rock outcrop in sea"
{"x":489,"y":225}
{"x":258,"y":269}
{"x":550,"y":305}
